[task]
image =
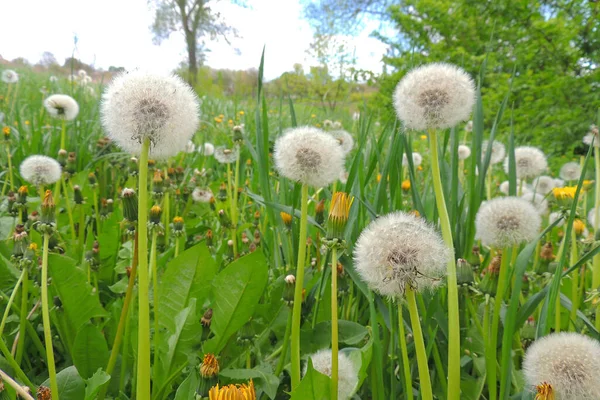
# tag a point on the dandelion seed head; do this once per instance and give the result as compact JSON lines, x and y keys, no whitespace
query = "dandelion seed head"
{"x":347,"y":373}
{"x":435,"y":95}
{"x":464,"y":152}
{"x":400,"y":249}
{"x":543,"y":184}
{"x":40,"y":170}
{"x":530,"y":162}
{"x":538,"y":200}
{"x":309,"y":155}
{"x":504,"y":187}
{"x":190,"y":147}
{"x":554,"y":216}
{"x":62,"y":106}
{"x":592,"y":137}
{"x":344,"y":139}
{"x":202,"y":195}
{"x":207,"y":149}
{"x":568,"y":361}
{"x":507,"y":221}
{"x":570,"y":171}
{"x":417,"y":159}
{"x":592,"y":217}
{"x":498,"y":151}
{"x":10,"y":76}
{"x":225,"y":155}
{"x":138,"y":106}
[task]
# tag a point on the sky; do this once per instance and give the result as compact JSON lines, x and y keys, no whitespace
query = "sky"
{"x":117,"y":32}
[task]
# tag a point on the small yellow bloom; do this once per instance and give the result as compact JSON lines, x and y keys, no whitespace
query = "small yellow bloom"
{"x":567,"y":192}
{"x":544,"y":392}
{"x":26,"y":122}
{"x":6,"y":130}
{"x":313,"y":115}
{"x":587,"y":184}
{"x":230,"y":122}
{"x":339,"y":211}
{"x":221,"y":116}
{"x":286,"y":218}
{"x":406,"y":185}
{"x":241,"y":113}
{"x":378,"y":178}
{"x":218,"y":120}
{"x":579,"y":226}
{"x":318,"y":125}
{"x":233,"y":392}
{"x":419,"y":168}
{"x":423,"y":137}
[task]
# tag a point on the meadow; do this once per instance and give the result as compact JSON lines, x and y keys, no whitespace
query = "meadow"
{"x":172,"y":245}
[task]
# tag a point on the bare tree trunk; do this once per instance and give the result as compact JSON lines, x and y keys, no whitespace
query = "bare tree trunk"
{"x":192,"y":59}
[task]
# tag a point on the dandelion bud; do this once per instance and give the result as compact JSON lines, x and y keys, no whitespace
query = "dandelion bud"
{"x":209,"y":238}
{"x":47,"y":221}
{"x":546,"y":253}
{"x":209,"y":373}
{"x":339,"y":212}
{"x":288,"y":290}
{"x":566,"y":363}
{"x":92,"y":257}
{"x":32,"y":219}
{"x":62,"y":157}
{"x":320,"y":212}
{"x":245,"y":239}
{"x":71,"y":166}
{"x":474,"y":258}
{"x":155,"y":215}
{"x":257,"y":237}
{"x":229,"y":251}
{"x":224,"y":219}
{"x":20,"y":242}
{"x":206,"y":318}
{"x":132,"y":166}
{"x":464,"y":273}
{"x":489,"y":283}
{"x":92,"y":179}
{"x":287,"y":219}
{"x":246,"y":334}
{"x":238,"y":137}
{"x":157,"y":184}
{"x":178,"y":227}
{"x":256,"y":218}
{"x":222,"y":195}
{"x":130,"y":205}
{"x":104,"y":211}
{"x":578,"y":226}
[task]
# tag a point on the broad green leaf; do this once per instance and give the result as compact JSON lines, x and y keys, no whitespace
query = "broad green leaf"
{"x":187,"y":276}
{"x":262,"y":379}
{"x":176,"y":349}
{"x":70,"y":384}
{"x":187,"y":389}
{"x":94,"y":384}
{"x":9,"y":274}
{"x":79,"y":301}
{"x":236,"y":292}
{"x":314,"y":385}
{"x":90,"y":351}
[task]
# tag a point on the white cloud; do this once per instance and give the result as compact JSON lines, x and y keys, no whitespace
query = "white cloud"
{"x":116,"y":32}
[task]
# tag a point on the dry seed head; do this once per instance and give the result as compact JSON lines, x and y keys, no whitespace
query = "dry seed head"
{"x":417,"y":159}
{"x":62,"y":106}
{"x":464,"y":152}
{"x":569,"y":362}
{"x":345,"y":140}
{"x":207,"y":149}
{"x":530,"y":162}
{"x":436,"y":95}
{"x":347,"y":373}
{"x":507,"y":221}
{"x":202,"y":195}
{"x":570,"y":171}
{"x":543,"y":184}
{"x":225,"y":155}
{"x":538,"y":200}
{"x":10,"y":76}
{"x":309,"y":156}
{"x":40,"y":170}
{"x":498,"y":151}
{"x":400,"y":249}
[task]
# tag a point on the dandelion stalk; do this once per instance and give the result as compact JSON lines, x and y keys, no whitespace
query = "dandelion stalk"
{"x":23,"y":315}
{"x":11,"y":299}
{"x":334,"y":326}
{"x":46,"y":320}
{"x":284,"y":348}
{"x":18,"y":388}
{"x":453,"y":314}
{"x":63,"y":134}
{"x":424,"y":378}
{"x":297,"y":310}
{"x":68,"y":207}
{"x":404,"y":350}
{"x":143,"y":360}
{"x":596,"y":262}
{"x":232,"y":208}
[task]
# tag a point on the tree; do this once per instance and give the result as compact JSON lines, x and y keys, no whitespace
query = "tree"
{"x":197,"y":20}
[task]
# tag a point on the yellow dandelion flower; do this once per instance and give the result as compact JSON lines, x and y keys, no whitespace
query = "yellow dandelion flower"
{"x":241,"y":112}
{"x":26,"y":122}
{"x":209,"y":366}
{"x":338,"y":214}
{"x":378,"y":178}
{"x":286,"y":218}
{"x":6,"y":130}
{"x":406,"y":185}
{"x":313,"y":115}
{"x":578,"y":226}
{"x":564,"y":193}
{"x":318,"y":125}
{"x":544,"y":392}
{"x":423,"y":137}
{"x":233,"y":392}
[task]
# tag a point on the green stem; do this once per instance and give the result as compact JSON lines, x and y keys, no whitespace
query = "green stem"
{"x":81,"y":233}
{"x":154,"y":274}
{"x":176,"y":246}
{"x":574,"y":281}
{"x":490,"y":354}
{"x":23,"y":315}
{"x":122,"y":321}
{"x":596,"y":262}
{"x":167,"y":215}
{"x":143,"y":361}
{"x":334,"y":326}
{"x":10,"y":170}
{"x":95,"y":194}
{"x":295,"y":367}
{"x":404,"y":349}
{"x":68,"y":207}
{"x":11,"y":299}
{"x":286,"y":342}
{"x":424,"y":378}
{"x":453,"y":315}
{"x":63,"y":135}
{"x":232,"y":210}
{"x":46,"y":320}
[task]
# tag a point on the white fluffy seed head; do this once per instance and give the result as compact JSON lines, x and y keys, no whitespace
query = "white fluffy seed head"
{"x":568,"y":361}
{"x":225,"y":155}
{"x":538,"y":200}
{"x":138,"y":106}
{"x":554,"y":216}
{"x":10,"y":76}
{"x":592,"y":137}
{"x":40,"y":170}
{"x":400,"y":249}
{"x":507,"y":221}
{"x":347,"y":373}
{"x":504,"y":187}
{"x":530,"y":162}
{"x":202,"y":195}
{"x":417,"y":159}
{"x":207,"y":149}
{"x":592,"y":217}
{"x":345,"y":140}
{"x":435,"y":95}
{"x":498,"y":151}
{"x":464,"y":152}
{"x":190,"y":147}
{"x":62,"y":106}
{"x":543,"y":184}
{"x":570,"y":171}
{"x":309,"y":155}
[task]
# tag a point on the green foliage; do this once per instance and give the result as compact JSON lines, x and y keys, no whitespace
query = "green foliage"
{"x":314,"y":385}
